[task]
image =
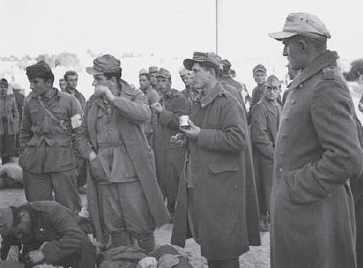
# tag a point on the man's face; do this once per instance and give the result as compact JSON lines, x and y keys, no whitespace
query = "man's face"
{"x":23,"y":230}
{"x":62,"y":84}
{"x":153,"y":79}
{"x":272,"y":92}
{"x":292,"y":50}
{"x":144,"y":82}
{"x":72,"y":81}
{"x":163,"y":84}
{"x":100,"y":80}
{"x":200,"y":76}
{"x":39,"y":86}
{"x":260,"y":77}
{"x":187,"y":80}
{"x":3,"y":89}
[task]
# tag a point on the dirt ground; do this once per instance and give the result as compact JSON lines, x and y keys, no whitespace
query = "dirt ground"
{"x":257,"y":257}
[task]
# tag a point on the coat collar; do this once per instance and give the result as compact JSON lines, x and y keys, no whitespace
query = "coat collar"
{"x":316,"y":66}
{"x":275,"y":110}
{"x":218,"y":90}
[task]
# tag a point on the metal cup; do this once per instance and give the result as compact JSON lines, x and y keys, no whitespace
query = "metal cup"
{"x":183,"y":121}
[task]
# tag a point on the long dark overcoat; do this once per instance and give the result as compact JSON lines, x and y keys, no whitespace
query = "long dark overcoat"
{"x":133,"y":110}
{"x":317,"y":151}
{"x":265,"y":120}
{"x":222,"y":176}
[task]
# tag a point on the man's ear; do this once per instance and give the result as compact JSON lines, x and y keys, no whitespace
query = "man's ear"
{"x":302,"y":45}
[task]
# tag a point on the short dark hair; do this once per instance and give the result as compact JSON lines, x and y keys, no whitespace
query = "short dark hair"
{"x":3,"y":81}
{"x":207,"y":66}
{"x":69,"y":73}
{"x":145,"y":74}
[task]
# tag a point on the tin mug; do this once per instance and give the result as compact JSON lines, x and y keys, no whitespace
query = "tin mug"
{"x":183,"y":121}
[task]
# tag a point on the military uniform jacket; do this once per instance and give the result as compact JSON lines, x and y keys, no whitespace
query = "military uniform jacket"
{"x":317,"y":151}
{"x":46,"y":137}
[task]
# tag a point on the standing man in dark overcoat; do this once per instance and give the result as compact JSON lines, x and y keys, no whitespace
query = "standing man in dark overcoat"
{"x":317,"y":152}
{"x":217,"y":194}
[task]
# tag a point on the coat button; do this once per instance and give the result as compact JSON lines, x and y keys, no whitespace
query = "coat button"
{"x":293,"y":101}
{"x":284,"y":136}
{"x":281,"y":153}
{"x":301,"y":85}
{"x":280,"y":169}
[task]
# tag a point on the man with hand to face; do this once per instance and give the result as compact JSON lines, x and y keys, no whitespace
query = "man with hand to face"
{"x":217,"y":194}
{"x":122,"y":185}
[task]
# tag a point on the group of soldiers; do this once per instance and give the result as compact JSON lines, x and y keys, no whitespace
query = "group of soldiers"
{"x":286,"y":165}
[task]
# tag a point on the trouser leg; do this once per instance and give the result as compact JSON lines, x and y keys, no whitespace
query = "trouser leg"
{"x":232,"y":263}
{"x":146,"y":241}
{"x":65,"y":189}
{"x":359,"y":226}
{"x":37,"y":187}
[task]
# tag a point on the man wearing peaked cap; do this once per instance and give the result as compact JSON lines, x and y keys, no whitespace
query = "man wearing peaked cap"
{"x":122,"y":183}
{"x":50,"y":119}
{"x":189,"y":92}
{"x":168,"y":160}
{"x":152,"y":97}
{"x":317,"y":153}
{"x":217,"y":189}
{"x":259,"y":75}
{"x":153,"y":70}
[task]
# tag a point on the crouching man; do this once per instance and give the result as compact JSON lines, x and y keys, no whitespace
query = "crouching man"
{"x":46,"y":232}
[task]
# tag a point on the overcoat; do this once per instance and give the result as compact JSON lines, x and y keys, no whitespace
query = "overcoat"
{"x":169,"y":160}
{"x":133,"y":111}
{"x":265,"y":119}
{"x":9,"y":108}
{"x":317,"y":151}
{"x":221,"y":173}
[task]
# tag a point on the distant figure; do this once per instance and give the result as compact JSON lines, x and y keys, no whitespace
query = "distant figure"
{"x":228,"y":78}
{"x":152,"y":97}
{"x":317,"y":151}
{"x":71,"y":78}
{"x":153,"y":70}
{"x":62,"y":84}
{"x":50,"y":119}
{"x":47,"y":233}
{"x":189,"y":92}
{"x":19,"y":98}
{"x":9,"y":123}
{"x":259,"y":75}
{"x":265,"y":121}
{"x":168,"y":161}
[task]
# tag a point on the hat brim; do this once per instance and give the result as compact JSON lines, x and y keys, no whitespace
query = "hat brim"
{"x":164,"y":76}
{"x":92,"y":71}
{"x":282,"y":35}
{"x":188,"y":64}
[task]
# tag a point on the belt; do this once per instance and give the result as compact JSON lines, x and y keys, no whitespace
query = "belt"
{"x":110,"y":144}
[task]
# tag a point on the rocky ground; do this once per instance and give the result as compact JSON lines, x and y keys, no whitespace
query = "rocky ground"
{"x":257,"y":257}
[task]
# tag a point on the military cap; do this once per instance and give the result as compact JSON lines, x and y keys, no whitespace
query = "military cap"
{"x":4,"y":82}
{"x":163,"y":73}
{"x":153,"y":70}
{"x":226,"y":64}
{"x":199,"y":57}
{"x":304,"y":24}
{"x":37,"y":70}
{"x":259,"y":68}
{"x":6,"y":220}
{"x":272,"y":81}
{"x":104,"y":64}
{"x":183,"y":72}
{"x":143,"y":71}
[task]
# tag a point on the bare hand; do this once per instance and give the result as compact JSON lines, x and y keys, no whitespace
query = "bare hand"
{"x":157,"y":107}
{"x":192,"y":132}
{"x":92,"y":155}
{"x":178,"y":140}
{"x":104,"y":91}
{"x":36,"y":256}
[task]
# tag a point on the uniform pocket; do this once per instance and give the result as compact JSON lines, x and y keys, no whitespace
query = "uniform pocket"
{"x":218,"y":168}
{"x":98,"y":171}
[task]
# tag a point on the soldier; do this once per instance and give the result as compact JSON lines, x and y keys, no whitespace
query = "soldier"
{"x":265,"y":120}
{"x":189,"y":92}
{"x":153,"y":70}
{"x":50,"y":118}
{"x":259,"y":75}
{"x":168,"y":161}
{"x":317,"y":151}
{"x":122,"y":187}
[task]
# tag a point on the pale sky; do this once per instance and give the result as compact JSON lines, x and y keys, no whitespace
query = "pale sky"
{"x":168,"y":27}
